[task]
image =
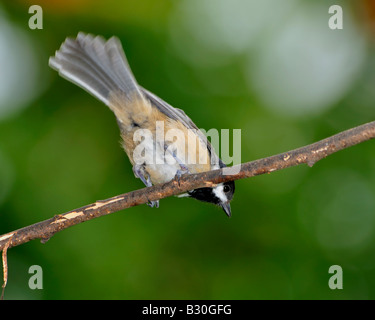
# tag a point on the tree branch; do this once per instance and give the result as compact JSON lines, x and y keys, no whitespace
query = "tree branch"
{"x":309,"y":154}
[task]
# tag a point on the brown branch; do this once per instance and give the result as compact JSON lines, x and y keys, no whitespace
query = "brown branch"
{"x":5,"y":269}
{"x":309,"y":154}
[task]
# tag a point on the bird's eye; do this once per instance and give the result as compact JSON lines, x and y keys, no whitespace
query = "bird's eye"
{"x":226,"y":189}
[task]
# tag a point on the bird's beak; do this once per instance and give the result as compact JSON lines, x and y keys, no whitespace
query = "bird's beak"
{"x":226,"y":208}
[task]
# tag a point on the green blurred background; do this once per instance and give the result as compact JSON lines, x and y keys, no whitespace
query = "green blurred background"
{"x":270,"y":68}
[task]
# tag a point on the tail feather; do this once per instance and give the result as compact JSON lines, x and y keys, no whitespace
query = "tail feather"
{"x":98,"y":66}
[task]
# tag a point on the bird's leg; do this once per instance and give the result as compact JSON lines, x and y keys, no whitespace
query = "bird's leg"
{"x":139,"y":173}
{"x":183,"y":168}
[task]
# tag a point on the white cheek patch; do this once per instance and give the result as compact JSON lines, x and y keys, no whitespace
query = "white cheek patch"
{"x":219,"y":193}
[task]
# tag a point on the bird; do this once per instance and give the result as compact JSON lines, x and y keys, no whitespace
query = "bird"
{"x":100,"y":67}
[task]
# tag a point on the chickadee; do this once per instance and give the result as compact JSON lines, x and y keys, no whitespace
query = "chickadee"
{"x":101,"y":68}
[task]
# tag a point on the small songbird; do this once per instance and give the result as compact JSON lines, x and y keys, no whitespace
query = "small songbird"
{"x":101,"y":68}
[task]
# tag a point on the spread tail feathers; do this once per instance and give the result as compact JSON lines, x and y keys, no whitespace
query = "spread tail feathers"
{"x":98,"y":66}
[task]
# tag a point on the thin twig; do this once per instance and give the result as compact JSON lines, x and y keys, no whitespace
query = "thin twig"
{"x":309,"y":154}
{"x":5,"y":269}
